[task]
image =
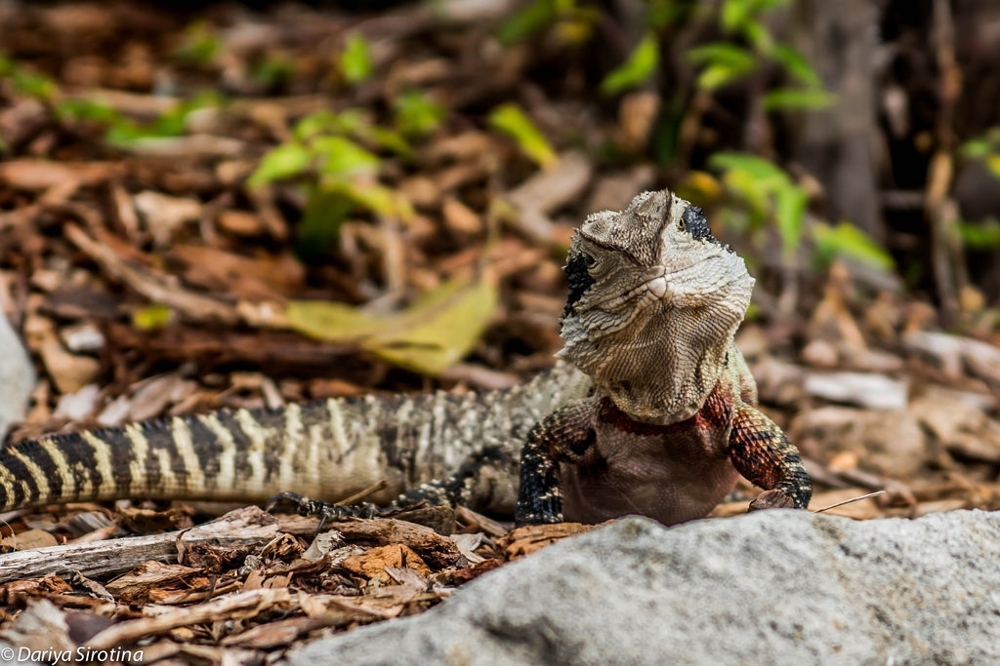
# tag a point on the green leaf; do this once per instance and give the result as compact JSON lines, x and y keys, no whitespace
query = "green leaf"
{"x":721,"y":53}
{"x":794,"y":99}
{"x":509,"y":119}
{"x":152,"y":317}
{"x":356,"y":59}
{"x":734,"y":14}
{"x":376,"y":198}
{"x":349,"y":121}
{"x":339,"y":156}
{"x":637,"y":68}
{"x":284,"y":161}
{"x":790,"y":207}
{"x":534,"y":17}
{"x":665,"y":13}
{"x":325,"y":212}
{"x":763,"y":172}
{"x":87,"y":110}
{"x":993,"y":164}
{"x":983,"y":235}
{"x":714,"y":77}
{"x":389,"y":139}
{"x":725,"y":63}
{"x":199,"y":45}
{"x":847,"y":240}
{"x":759,"y":37}
{"x":35,"y":85}
{"x":749,"y":189}
{"x":123,"y":133}
{"x":434,"y":333}
{"x":976,"y":148}
{"x":417,"y":114}
{"x":272,"y":70}
{"x":316,"y":123}
{"x":796,"y":64}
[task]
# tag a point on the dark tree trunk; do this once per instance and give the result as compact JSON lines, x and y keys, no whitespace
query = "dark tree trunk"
{"x":837,"y":145}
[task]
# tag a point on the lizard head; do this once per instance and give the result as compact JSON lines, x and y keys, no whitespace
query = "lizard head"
{"x":653,"y":305}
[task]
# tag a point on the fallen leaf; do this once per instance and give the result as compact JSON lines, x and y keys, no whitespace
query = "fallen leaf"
{"x":435,"y":332}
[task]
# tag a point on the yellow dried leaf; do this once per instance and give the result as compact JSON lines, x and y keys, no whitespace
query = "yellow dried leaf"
{"x":435,"y":332}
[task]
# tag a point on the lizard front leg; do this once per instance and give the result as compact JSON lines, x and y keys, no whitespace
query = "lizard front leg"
{"x":566,"y":435}
{"x":761,"y":452}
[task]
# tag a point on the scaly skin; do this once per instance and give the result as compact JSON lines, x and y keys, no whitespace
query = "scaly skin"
{"x":654,"y":303}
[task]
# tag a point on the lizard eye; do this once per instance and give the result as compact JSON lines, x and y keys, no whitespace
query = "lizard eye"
{"x":589,"y":260}
{"x":680,"y":225}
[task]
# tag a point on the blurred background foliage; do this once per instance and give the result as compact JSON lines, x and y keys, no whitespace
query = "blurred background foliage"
{"x":863,"y":131}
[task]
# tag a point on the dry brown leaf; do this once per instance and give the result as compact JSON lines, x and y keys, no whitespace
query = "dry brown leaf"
{"x":27,"y":540}
{"x":262,"y":278}
{"x":526,"y":540}
{"x":30,"y":174}
{"x":372,"y":563}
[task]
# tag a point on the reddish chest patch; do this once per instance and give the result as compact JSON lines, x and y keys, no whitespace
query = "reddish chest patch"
{"x":717,"y":412}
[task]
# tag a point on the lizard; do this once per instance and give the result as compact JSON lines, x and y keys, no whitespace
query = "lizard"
{"x":651,"y":410}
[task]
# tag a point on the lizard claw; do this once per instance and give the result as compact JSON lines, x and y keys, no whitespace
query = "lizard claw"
{"x":289,"y":499}
{"x":772,"y":499}
{"x":326,"y":511}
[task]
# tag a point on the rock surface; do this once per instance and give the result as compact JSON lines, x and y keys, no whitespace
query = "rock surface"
{"x":769,"y":587}
{"x":17,"y":376}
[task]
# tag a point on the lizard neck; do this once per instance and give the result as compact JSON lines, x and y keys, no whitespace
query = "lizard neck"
{"x":661,"y":374}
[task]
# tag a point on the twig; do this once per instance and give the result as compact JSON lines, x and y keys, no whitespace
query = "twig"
{"x":849,"y":501}
{"x":361,"y":494}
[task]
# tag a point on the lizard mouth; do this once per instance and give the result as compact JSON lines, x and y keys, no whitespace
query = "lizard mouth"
{"x":650,"y":290}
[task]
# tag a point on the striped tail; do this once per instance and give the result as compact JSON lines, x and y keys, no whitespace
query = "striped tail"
{"x":326,"y":450}
{"x":227,"y":455}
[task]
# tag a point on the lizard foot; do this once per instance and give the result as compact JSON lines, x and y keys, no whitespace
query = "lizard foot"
{"x":326,"y":511}
{"x":772,"y":499}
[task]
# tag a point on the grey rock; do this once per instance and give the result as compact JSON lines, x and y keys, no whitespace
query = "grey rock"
{"x":769,"y":587}
{"x":17,"y":376}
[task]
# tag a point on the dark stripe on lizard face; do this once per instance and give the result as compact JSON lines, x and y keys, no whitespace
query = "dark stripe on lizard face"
{"x":579,"y":278}
{"x":696,"y":225}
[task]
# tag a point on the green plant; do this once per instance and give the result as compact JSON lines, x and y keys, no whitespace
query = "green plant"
{"x":25,"y":82}
{"x":982,"y":234}
{"x":985,"y":148}
{"x":416,"y":114}
{"x":724,"y":62}
{"x":199,"y":45}
{"x":637,"y":68}
{"x":355,"y":61}
{"x":765,"y":194}
{"x":123,"y":131}
{"x":272,"y":70}
{"x":512,"y":121}
{"x":572,"y":22}
{"x":334,"y":156}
